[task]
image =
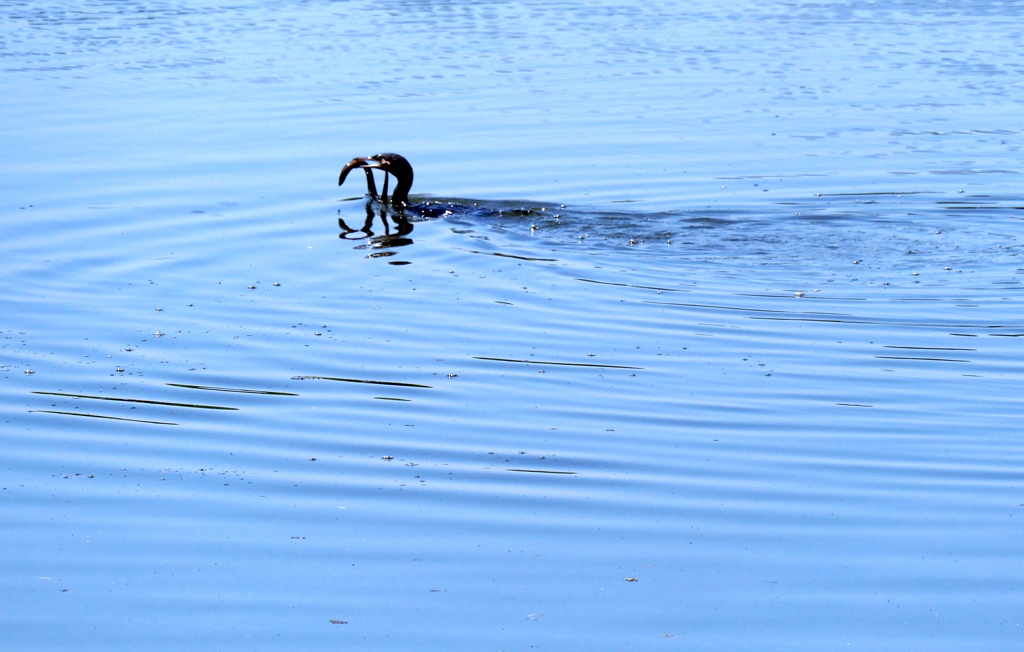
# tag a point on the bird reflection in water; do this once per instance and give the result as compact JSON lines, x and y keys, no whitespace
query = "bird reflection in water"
{"x":396,"y":236}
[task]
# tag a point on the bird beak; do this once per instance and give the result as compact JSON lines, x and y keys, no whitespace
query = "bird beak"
{"x":358,"y":162}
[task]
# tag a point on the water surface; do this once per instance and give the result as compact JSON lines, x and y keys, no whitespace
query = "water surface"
{"x":724,"y":353}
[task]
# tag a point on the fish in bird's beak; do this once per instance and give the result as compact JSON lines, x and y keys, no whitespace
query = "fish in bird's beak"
{"x":358,"y":162}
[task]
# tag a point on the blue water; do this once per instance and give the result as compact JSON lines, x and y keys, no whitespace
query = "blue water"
{"x":721,"y":352}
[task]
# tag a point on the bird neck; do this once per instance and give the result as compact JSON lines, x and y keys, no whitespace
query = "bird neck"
{"x":401,"y":194}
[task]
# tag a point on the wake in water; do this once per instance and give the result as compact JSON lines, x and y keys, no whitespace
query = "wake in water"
{"x":877,"y":230}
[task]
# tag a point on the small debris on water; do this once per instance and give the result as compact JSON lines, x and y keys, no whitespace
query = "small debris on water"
{"x":631,"y":579}
{"x":29,"y":372}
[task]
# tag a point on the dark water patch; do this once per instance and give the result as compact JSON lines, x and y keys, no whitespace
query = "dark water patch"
{"x":631,"y":285}
{"x":871,"y":194}
{"x":893,"y":357}
{"x":560,"y":364}
{"x":720,"y":307}
{"x":503,"y":255}
{"x":879,"y":323}
{"x":541,"y":471}
{"x":366,"y":382}
{"x":232,"y":390}
{"x":100,"y":416}
{"x":138,"y":400}
{"x":925,"y":348}
{"x":971,"y":172}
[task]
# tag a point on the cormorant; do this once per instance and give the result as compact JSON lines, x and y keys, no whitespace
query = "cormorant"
{"x":391,"y":164}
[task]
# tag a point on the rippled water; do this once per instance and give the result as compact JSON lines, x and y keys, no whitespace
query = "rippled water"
{"x":720,"y":348}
